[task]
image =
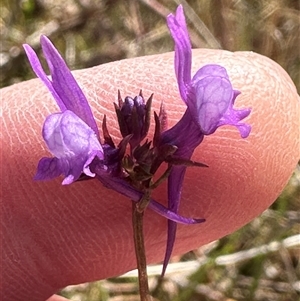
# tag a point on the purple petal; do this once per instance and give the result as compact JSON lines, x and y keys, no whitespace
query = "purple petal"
{"x":210,"y":70}
{"x":233,"y":117}
{"x":74,"y":170}
{"x":244,"y":129}
{"x":66,"y":86}
{"x":71,"y":140}
{"x":180,"y":18}
{"x":183,"y":53}
{"x":49,"y":168}
{"x":208,"y":100}
{"x":39,"y":71}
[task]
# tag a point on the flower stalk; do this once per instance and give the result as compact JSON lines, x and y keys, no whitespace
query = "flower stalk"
{"x":139,"y":246}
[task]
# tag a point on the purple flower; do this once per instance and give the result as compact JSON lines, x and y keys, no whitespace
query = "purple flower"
{"x":74,"y":145}
{"x":209,"y":97}
{"x":72,"y":135}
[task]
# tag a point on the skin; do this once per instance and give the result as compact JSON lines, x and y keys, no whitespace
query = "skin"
{"x":58,"y":235}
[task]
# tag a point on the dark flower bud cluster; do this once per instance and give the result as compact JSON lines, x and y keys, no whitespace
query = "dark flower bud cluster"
{"x":134,"y":116}
{"x":137,"y":159}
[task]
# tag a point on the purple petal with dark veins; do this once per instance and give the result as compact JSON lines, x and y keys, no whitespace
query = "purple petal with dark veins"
{"x":73,"y":143}
{"x":210,"y":70}
{"x":208,"y":100}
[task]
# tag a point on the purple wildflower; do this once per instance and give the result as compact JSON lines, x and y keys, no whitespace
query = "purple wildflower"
{"x":209,"y":97}
{"x":72,"y":135}
{"x":74,"y":145}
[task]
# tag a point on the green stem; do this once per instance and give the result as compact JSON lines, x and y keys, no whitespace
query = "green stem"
{"x":138,"y":235}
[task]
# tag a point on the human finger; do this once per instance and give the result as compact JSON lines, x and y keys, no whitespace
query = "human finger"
{"x":57,"y":235}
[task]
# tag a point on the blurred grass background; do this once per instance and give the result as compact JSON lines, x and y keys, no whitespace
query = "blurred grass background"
{"x":261,"y":260}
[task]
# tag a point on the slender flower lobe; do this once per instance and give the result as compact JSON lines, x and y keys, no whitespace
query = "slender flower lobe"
{"x":62,"y":84}
{"x":183,"y":49}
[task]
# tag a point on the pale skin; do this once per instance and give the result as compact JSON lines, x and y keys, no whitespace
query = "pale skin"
{"x":56,"y":235}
